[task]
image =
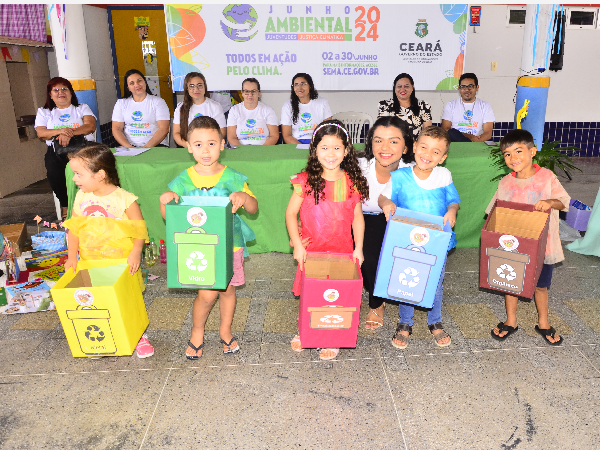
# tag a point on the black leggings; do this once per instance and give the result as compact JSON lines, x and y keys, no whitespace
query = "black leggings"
{"x":55,"y":171}
{"x":374,"y":232}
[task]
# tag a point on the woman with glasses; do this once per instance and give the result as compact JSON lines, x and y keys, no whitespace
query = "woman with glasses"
{"x":303,"y":111}
{"x":62,"y":117}
{"x":252,"y":122}
{"x":405,"y":105}
{"x":140,"y":119}
{"x":196,"y":103}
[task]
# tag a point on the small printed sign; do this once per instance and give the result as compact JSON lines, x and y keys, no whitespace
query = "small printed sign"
{"x":331,"y":295}
{"x":475,"y":16}
{"x":84,"y":297}
{"x":419,"y":236}
{"x":508,"y":242}
{"x":196,"y":216}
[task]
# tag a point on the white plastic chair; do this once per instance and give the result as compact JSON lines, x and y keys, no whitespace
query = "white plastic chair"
{"x":354,"y":122}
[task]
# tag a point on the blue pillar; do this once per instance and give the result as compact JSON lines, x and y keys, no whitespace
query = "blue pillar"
{"x":530,"y":107}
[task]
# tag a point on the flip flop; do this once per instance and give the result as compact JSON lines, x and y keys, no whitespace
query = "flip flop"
{"x":327,"y":358}
{"x":230,"y":350}
{"x":194,"y":357}
{"x":501,"y":327}
{"x":296,"y":339}
{"x":548,"y":332}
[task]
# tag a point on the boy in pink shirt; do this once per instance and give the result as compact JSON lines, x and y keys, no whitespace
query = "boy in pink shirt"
{"x":531,"y":184}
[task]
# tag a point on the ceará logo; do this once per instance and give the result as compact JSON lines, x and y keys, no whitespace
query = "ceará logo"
{"x":305,"y":117}
{"x":64,"y":117}
{"x":137,"y":116}
{"x":250,"y":123}
{"x":238,"y":21}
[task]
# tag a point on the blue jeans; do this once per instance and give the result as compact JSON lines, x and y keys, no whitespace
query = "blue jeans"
{"x":434,"y":315}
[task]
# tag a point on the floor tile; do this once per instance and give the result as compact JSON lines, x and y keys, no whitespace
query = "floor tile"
{"x":46,"y":320}
{"x":527,"y":318}
{"x":239,"y":318}
{"x":281,"y":316}
{"x":588,"y":310}
{"x":168,"y":313}
{"x":474,"y":320}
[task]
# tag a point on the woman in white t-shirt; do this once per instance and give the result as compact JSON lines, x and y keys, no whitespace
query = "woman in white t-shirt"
{"x":252,"y":122}
{"x":140,"y":119}
{"x":196,"y":102}
{"x":63,"y":117}
{"x":303,"y":111}
{"x":388,"y":147}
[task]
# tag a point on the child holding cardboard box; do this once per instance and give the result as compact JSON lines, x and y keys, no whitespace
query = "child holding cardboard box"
{"x":209,"y":177}
{"x":327,"y":196}
{"x":107,"y":222}
{"x":531,"y":184}
{"x":426,"y":188}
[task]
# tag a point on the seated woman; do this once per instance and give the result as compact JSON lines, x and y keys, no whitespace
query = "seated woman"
{"x":404,"y":104}
{"x":140,"y":119}
{"x":303,"y":111}
{"x":62,"y":117}
{"x":252,"y":122}
{"x":195,"y":103}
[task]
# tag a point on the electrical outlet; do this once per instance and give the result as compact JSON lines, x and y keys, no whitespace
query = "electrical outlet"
{"x":494,"y":66}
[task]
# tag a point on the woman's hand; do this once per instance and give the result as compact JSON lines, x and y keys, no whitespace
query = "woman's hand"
{"x":71,"y":264}
{"x":65,"y":136}
{"x":134,"y":259}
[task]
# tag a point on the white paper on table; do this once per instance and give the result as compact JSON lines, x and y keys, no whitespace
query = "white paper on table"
{"x":303,"y":146}
{"x":122,"y":151}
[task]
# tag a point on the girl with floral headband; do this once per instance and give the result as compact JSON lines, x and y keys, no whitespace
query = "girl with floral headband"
{"x":328,"y":196}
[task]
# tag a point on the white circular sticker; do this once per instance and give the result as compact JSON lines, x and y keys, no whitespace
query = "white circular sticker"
{"x":331,"y":295}
{"x":508,"y":242}
{"x":84,"y":297}
{"x":419,"y":236}
{"x":196,"y":216}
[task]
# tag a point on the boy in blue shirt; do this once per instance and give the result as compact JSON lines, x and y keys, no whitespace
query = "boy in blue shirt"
{"x":427,"y":188}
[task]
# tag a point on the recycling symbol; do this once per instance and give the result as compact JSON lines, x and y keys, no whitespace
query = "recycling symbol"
{"x":93,"y":333}
{"x":332,"y":318}
{"x":196,"y":261}
{"x":409,"y":277}
{"x":506,"y":271}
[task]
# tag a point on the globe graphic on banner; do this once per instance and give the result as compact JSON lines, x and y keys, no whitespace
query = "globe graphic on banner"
{"x":239,"y":20}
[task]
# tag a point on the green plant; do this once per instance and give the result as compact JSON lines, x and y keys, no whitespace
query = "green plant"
{"x":548,"y":156}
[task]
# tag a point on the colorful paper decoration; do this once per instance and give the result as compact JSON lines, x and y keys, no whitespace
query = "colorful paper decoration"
{"x":25,"y":54}
{"x":38,"y":219}
{"x":6,"y":53}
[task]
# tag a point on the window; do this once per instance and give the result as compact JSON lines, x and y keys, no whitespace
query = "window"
{"x":581,"y":18}
{"x":515,"y":16}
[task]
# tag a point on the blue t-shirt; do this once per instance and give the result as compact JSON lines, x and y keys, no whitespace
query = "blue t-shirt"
{"x":430,"y":196}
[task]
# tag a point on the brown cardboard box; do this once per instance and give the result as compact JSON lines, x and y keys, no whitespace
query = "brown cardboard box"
{"x":16,"y":233}
{"x":513,"y":246}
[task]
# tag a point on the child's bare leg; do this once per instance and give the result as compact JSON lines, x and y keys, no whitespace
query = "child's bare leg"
{"x":541,"y":303}
{"x":227,"y":302}
{"x":203,"y":303}
{"x":511,"y":303}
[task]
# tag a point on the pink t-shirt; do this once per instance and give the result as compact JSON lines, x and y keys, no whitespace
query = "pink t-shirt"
{"x":543,"y":185}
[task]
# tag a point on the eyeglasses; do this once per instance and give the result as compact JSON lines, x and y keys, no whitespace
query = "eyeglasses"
{"x":300,"y":84}
{"x":198,"y":86}
{"x":247,"y":92}
{"x":57,"y":90}
{"x":467,"y":86}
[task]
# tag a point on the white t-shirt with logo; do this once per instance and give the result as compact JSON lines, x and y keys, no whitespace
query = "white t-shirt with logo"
{"x":309,"y":116}
{"x":69,"y":117}
{"x":208,"y":108}
{"x":223,"y":98}
{"x":140,"y":118}
{"x":252,"y":124}
{"x":468,"y":117}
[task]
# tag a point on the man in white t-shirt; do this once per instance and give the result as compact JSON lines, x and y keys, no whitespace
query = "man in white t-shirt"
{"x":468,"y":119}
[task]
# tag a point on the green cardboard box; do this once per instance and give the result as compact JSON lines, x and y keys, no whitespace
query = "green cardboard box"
{"x":199,"y":243}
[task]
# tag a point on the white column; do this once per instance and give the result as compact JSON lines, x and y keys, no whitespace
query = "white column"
{"x":539,"y":23}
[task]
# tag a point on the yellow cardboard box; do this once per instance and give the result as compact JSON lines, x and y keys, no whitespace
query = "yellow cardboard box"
{"x":101,"y":308}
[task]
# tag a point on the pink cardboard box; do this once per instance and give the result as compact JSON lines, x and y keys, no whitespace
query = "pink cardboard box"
{"x":330,"y":294}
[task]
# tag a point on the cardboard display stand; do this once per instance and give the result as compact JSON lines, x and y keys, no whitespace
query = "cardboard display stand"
{"x":412,"y":257}
{"x":330,"y":295}
{"x":16,"y":233}
{"x":513,"y":246}
{"x":101,"y":308}
{"x":199,"y":243}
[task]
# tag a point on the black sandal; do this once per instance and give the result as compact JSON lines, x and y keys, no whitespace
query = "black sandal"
{"x":548,"y":332}
{"x":438,"y":337}
{"x":401,"y":337}
{"x":194,"y":357}
{"x":502,"y":327}
{"x":229,"y":349}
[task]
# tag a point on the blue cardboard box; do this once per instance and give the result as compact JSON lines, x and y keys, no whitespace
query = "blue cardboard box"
{"x":412,"y":257}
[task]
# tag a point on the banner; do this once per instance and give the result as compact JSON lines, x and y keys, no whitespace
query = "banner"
{"x":343,"y":47}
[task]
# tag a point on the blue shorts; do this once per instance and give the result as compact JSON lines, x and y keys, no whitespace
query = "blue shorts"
{"x":546,"y":276}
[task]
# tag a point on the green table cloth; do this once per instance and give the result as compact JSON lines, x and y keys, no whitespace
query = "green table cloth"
{"x":269,"y":169}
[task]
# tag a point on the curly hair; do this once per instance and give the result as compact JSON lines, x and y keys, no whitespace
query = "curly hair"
{"x":314,"y":169}
{"x":313,"y":93}
{"x":188,"y":102}
{"x":388,"y":122}
{"x":97,"y":157}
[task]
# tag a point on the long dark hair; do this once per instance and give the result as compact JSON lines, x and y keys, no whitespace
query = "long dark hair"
{"x":387,"y":122}
{"x":184,"y":112}
{"x":414,"y":105}
{"x":126,"y":92}
{"x":97,"y":157}
{"x":294,"y":98}
{"x":314,"y":169}
{"x":56,"y":81}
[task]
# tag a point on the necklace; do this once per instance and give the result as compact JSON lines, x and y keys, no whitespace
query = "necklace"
{"x":468,"y":113}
